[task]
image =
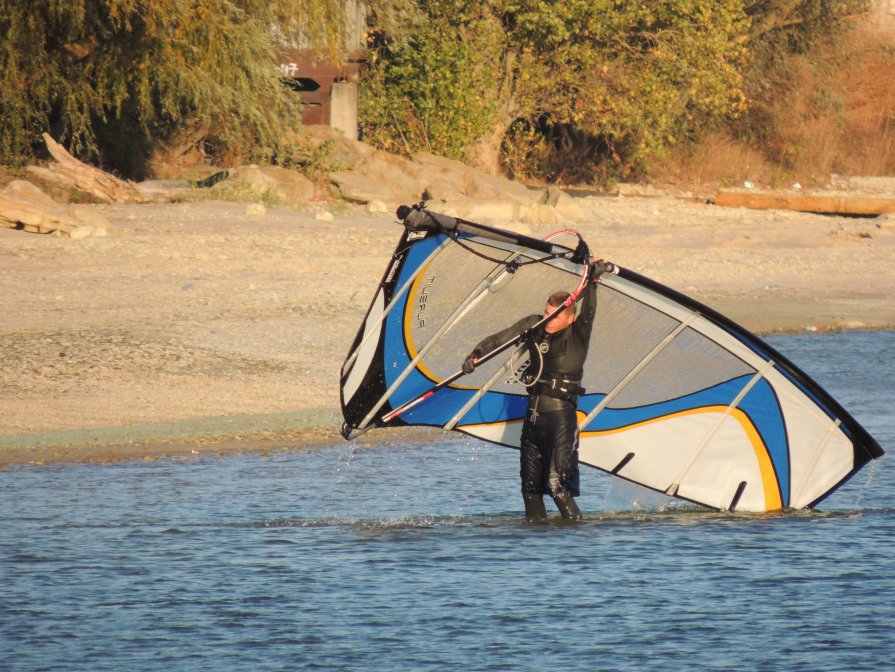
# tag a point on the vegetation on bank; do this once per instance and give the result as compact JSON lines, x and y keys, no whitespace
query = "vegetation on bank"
{"x":118,"y":82}
{"x":569,"y":91}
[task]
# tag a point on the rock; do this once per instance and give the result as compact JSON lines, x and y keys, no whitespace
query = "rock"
{"x":164,"y":189}
{"x":437,"y":195}
{"x":552,"y":195}
{"x":449,"y":179}
{"x":491,"y":211}
{"x":324,"y":216}
{"x":24,"y":214}
{"x":255,"y":209}
{"x":291,"y":186}
{"x":256,"y":179}
{"x":80,"y":232}
{"x":344,"y":154}
{"x":541,"y":215}
{"x":377,"y":207}
{"x":383,"y":177}
{"x":92,"y":218}
{"x":565,"y":205}
{"x":442,"y":182}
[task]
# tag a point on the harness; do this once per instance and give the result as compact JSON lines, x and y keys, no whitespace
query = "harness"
{"x":562,"y":388}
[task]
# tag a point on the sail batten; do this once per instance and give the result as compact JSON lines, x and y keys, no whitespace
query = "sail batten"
{"x":637,"y":369}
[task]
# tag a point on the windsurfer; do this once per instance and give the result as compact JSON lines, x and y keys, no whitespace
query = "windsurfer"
{"x":549,"y":446}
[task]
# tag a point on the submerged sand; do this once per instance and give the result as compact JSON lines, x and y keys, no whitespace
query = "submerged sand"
{"x":196,"y":327}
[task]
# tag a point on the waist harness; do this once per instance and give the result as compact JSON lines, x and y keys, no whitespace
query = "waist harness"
{"x":559,"y":387}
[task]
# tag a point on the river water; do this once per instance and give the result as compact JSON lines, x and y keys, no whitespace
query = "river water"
{"x":415,"y":557}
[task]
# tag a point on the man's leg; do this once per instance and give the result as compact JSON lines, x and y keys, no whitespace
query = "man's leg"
{"x":567,"y":506}
{"x":534,"y":507}
{"x":531,"y":472}
{"x":563,"y":478}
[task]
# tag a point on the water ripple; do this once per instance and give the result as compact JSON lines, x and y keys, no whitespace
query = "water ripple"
{"x":416,"y":557}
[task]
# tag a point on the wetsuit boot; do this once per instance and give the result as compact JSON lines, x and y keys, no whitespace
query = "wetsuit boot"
{"x":534,"y":508}
{"x":567,"y":506}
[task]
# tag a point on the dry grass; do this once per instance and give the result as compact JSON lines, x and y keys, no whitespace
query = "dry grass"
{"x":870,"y":115}
{"x":717,"y":160}
{"x":831,"y":112}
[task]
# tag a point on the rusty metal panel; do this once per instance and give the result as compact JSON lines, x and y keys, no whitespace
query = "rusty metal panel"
{"x":313,"y":79}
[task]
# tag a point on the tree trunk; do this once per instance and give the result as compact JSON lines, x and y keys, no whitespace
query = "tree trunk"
{"x":776,"y":16}
{"x":486,"y":151}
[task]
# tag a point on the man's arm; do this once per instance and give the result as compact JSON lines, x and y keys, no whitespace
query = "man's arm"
{"x":488,"y":343}
{"x":585,"y":320}
{"x":493,"y":341}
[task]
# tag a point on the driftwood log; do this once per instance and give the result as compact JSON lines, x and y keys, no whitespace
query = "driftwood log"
{"x":16,"y":214}
{"x":868,"y":206}
{"x":69,"y":172}
{"x":25,"y":207}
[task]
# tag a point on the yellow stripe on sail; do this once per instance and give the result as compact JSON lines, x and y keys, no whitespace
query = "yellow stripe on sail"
{"x":409,"y":307}
{"x":765,"y":465}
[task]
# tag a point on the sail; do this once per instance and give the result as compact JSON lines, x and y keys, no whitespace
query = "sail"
{"x":677,"y":397}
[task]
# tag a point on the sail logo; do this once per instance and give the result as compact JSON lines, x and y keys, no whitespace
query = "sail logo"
{"x":392,"y":269}
{"x":422,"y":301}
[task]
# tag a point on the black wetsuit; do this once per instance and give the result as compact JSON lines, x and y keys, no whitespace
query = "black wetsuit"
{"x":549,"y":447}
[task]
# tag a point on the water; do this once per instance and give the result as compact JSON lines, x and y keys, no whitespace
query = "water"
{"x":414,"y":557}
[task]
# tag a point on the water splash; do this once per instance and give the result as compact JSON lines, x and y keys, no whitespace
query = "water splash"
{"x":624,"y":496}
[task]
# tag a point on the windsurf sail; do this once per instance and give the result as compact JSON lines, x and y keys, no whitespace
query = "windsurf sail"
{"x":678,"y":398}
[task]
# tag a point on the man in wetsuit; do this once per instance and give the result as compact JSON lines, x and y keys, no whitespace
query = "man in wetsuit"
{"x":549,"y":448}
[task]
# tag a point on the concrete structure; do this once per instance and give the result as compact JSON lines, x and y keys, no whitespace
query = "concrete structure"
{"x":330,"y":90}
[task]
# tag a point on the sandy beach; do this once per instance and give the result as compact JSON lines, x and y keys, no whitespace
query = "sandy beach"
{"x":195,"y":327}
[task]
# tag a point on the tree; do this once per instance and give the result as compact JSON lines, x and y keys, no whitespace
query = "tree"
{"x":801,"y":21}
{"x":634,"y":75}
{"x":431,"y":81}
{"x":598,"y":85}
{"x":112,"y":79}
{"x":794,"y":80}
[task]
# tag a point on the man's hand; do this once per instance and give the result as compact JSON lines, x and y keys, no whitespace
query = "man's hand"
{"x":600,"y":266}
{"x":470,"y":362}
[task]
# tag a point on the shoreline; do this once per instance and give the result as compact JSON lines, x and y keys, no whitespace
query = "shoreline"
{"x":148,"y":443}
{"x":197,"y":328}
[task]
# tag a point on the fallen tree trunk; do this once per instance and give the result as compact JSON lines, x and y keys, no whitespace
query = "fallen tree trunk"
{"x":868,"y":206}
{"x":69,"y":172}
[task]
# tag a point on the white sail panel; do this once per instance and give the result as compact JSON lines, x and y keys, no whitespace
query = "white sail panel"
{"x":369,"y":346}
